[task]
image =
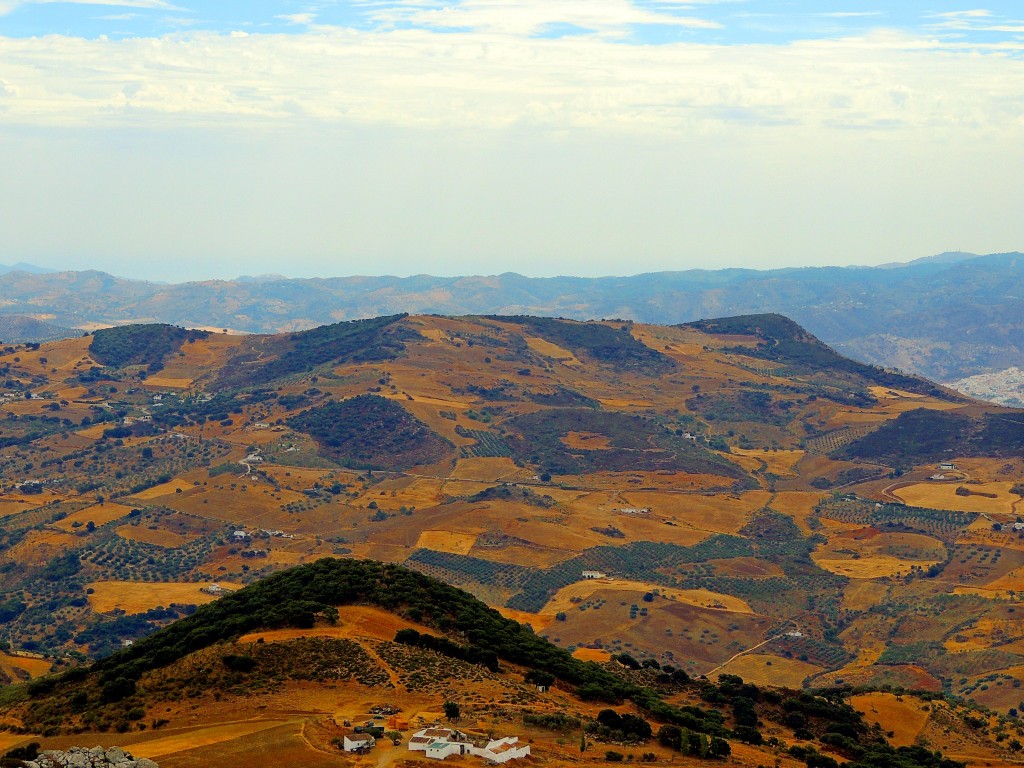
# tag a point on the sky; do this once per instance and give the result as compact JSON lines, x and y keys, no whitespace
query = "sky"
{"x":180,"y":140}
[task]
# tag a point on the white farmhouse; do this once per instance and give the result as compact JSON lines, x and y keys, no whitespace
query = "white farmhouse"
{"x":360,"y":742}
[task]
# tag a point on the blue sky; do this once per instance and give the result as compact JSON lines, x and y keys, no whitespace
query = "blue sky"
{"x":728,"y":21}
{"x":171,"y":139}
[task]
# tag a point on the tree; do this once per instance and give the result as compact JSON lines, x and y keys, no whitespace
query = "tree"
{"x":452,"y":711}
{"x":719,"y":747}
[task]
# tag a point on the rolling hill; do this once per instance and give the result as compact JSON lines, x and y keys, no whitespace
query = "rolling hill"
{"x":947,"y":317}
{"x":727,"y":496}
{"x":337,"y":642}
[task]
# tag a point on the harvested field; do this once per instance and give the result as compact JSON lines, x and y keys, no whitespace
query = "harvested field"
{"x":799,"y":505}
{"x":547,"y":349}
{"x":862,"y":595}
{"x":447,"y":541}
{"x":904,"y":717}
{"x":487,"y":470}
{"x":40,"y":546}
{"x":771,"y":670}
{"x":14,"y":507}
{"x":98,"y":514}
{"x":166,"y":489}
{"x":202,"y":737}
{"x":158,"y":537}
{"x":935,"y":495}
{"x":780,"y":462}
{"x":12,"y":665}
{"x":140,"y":596}
{"x":592,"y":654}
{"x":565,"y":599}
{"x":539,"y":621}
{"x":866,"y":553}
{"x":590,"y":441}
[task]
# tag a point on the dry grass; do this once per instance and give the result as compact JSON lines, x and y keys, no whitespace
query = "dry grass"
{"x":547,"y":349}
{"x":592,"y":441}
{"x":201,"y":737}
{"x":771,"y":670}
{"x":166,"y":489}
{"x":487,"y":470}
{"x":447,"y":541}
{"x":861,"y":595}
{"x":98,"y":514}
{"x":865,"y":553}
{"x":592,"y":654}
{"x":905,"y":718}
{"x":936,"y":495}
{"x":782,"y":463}
{"x":563,"y":600}
{"x":195,"y":359}
{"x":40,"y":546}
{"x":799,"y":505}
{"x":10,"y":507}
{"x":139,"y":597}
{"x":10,"y":664}
{"x":158,"y":537}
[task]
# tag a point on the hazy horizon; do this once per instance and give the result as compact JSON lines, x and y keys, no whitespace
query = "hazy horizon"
{"x":182,"y":140}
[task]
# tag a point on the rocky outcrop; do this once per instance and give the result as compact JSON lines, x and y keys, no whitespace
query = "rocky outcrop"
{"x":81,"y":757}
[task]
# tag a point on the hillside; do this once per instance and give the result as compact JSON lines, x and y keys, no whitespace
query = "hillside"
{"x":729,"y":496}
{"x":338,"y":642}
{"x":947,"y":318}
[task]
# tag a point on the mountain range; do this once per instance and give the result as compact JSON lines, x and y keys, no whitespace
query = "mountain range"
{"x":946,"y":317}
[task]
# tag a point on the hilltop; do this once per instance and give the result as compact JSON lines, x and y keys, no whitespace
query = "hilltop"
{"x":335,"y":643}
{"x":729,"y":496}
{"x":947,"y":317}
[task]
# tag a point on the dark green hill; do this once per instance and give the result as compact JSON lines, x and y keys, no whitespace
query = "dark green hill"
{"x":265,"y":359}
{"x":147,"y":345}
{"x":369,"y":431}
{"x":924,"y":435}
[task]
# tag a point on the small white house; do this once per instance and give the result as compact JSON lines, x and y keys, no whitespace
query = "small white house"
{"x":594,"y":575}
{"x":360,"y":742}
{"x":1018,"y":526}
{"x":240,"y":535}
{"x":947,"y":465}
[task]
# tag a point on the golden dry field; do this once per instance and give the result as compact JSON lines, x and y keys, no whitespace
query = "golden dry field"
{"x":770,"y":670}
{"x":866,"y":553}
{"x":906,"y":718}
{"x":98,"y":514}
{"x":137,"y":597}
{"x":990,"y":498}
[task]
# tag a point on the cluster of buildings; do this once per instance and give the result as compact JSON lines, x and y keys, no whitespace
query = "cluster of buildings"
{"x":437,"y":743}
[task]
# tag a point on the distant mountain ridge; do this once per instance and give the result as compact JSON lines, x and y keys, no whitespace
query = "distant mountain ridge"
{"x":945,"y":317}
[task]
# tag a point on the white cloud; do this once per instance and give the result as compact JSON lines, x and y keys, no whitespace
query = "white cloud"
{"x":530,"y":17}
{"x":6,"y":6}
{"x":492,"y":80}
{"x":302,"y":19}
